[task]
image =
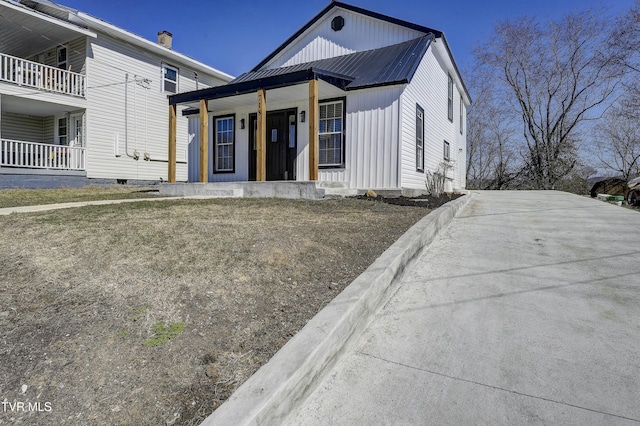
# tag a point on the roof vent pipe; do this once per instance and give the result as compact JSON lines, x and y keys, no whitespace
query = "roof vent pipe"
{"x":165,"y":38}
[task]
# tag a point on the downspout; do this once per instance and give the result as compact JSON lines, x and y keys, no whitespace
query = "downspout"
{"x":399,"y":143}
{"x":126,"y":119}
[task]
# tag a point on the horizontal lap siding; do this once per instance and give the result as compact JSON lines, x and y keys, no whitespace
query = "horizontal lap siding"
{"x":26,"y":128}
{"x":108,"y":64}
{"x":359,"y":33}
{"x":76,"y":54}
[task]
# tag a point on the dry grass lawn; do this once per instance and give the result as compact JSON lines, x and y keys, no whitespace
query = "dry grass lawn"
{"x":152,"y":313}
{"x":32,"y":197}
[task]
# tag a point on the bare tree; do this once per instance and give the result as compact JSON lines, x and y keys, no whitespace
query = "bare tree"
{"x":617,"y":142}
{"x":624,"y":44}
{"x":555,"y":76}
{"x":491,"y":162}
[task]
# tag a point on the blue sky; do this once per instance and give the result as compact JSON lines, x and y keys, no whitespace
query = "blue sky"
{"x":235,"y":36}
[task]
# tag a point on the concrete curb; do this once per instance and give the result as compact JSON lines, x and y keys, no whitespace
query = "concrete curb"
{"x":290,"y":376}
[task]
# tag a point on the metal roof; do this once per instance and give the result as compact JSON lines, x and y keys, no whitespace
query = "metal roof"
{"x":389,"y":65}
{"x":385,"y":66}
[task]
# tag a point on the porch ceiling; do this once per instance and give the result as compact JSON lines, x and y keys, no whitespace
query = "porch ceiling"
{"x":36,"y":108}
{"x":275,"y":97}
{"x":25,"y":32}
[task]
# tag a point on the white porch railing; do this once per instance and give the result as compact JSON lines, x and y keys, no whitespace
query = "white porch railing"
{"x":42,"y":77}
{"x":34,"y":155}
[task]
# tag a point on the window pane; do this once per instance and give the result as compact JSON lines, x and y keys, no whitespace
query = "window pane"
{"x":170,"y":74}
{"x":224,"y":144}
{"x":169,"y":87}
{"x":330,"y":128}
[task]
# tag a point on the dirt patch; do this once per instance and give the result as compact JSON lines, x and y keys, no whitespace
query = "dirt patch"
{"x":424,"y":201}
{"x":153,"y":313}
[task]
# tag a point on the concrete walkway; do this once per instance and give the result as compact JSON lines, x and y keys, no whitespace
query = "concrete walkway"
{"x":58,"y":206}
{"x":526,"y":310}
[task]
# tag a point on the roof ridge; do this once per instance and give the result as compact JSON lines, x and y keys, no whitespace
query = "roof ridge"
{"x":333,"y":4}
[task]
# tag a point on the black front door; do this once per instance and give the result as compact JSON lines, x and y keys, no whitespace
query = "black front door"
{"x":281,"y":145}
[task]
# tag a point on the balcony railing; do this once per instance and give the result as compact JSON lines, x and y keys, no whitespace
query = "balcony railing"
{"x":41,"y":77}
{"x":34,"y":155}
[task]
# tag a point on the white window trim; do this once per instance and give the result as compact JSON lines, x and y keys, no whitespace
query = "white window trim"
{"x":163,"y":79}
{"x":341,"y":133}
{"x":66,"y":62}
{"x":450,"y":98}
{"x":216,"y":144}
{"x":57,"y":134}
{"x":419,"y":141}
{"x":447,"y":151}
{"x":72,"y":126}
{"x":461,"y":115}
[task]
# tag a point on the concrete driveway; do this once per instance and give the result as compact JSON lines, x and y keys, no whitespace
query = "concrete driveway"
{"x":526,"y":310}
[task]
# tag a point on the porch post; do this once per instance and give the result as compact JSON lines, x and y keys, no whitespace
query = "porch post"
{"x":172,"y":143}
{"x":204,"y":140}
{"x":261,"y":137}
{"x":313,"y":129}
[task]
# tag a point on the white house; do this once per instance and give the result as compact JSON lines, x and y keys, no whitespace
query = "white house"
{"x":82,"y":97}
{"x":354,"y":100}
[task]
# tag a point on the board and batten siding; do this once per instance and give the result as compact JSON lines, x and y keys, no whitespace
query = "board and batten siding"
{"x":242,"y":150}
{"x":113,"y":70}
{"x":429,"y":89}
{"x":359,"y":33}
{"x":371,"y":141}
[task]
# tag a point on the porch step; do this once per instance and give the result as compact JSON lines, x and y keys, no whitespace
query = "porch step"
{"x":277,"y":189}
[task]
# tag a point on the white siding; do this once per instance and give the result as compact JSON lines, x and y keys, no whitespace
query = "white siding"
{"x":145,"y":128}
{"x":371,"y":142}
{"x":460,"y":154}
{"x":76,"y":54}
{"x":429,"y":89}
{"x":242,"y":143}
{"x":360,"y":33}
{"x":26,"y":128}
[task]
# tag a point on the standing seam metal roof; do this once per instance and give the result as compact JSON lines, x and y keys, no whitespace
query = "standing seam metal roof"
{"x":389,"y":65}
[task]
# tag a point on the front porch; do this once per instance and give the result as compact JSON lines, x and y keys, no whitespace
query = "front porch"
{"x":41,"y":137}
{"x":42,"y":77}
{"x":270,"y":126}
{"x":40,"y":156}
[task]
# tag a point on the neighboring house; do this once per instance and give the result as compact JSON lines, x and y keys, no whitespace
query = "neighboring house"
{"x":354,"y":100}
{"x":82,"y":97}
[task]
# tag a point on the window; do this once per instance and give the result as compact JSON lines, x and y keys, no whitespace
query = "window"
{"x":419,"y":139}
{"x":450,"y":110}
{"x":63,"y":135}
{"x":330,"y":132}
{"x":461,"y":115}
{"x":169,"y":79}
{"x":447,"y":151}
{"x":224,"y":144}
{"x":61,"y":55}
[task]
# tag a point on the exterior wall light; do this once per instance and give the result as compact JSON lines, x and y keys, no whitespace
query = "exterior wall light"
{"x":303,"y":116}
{"x":242,"y":123}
